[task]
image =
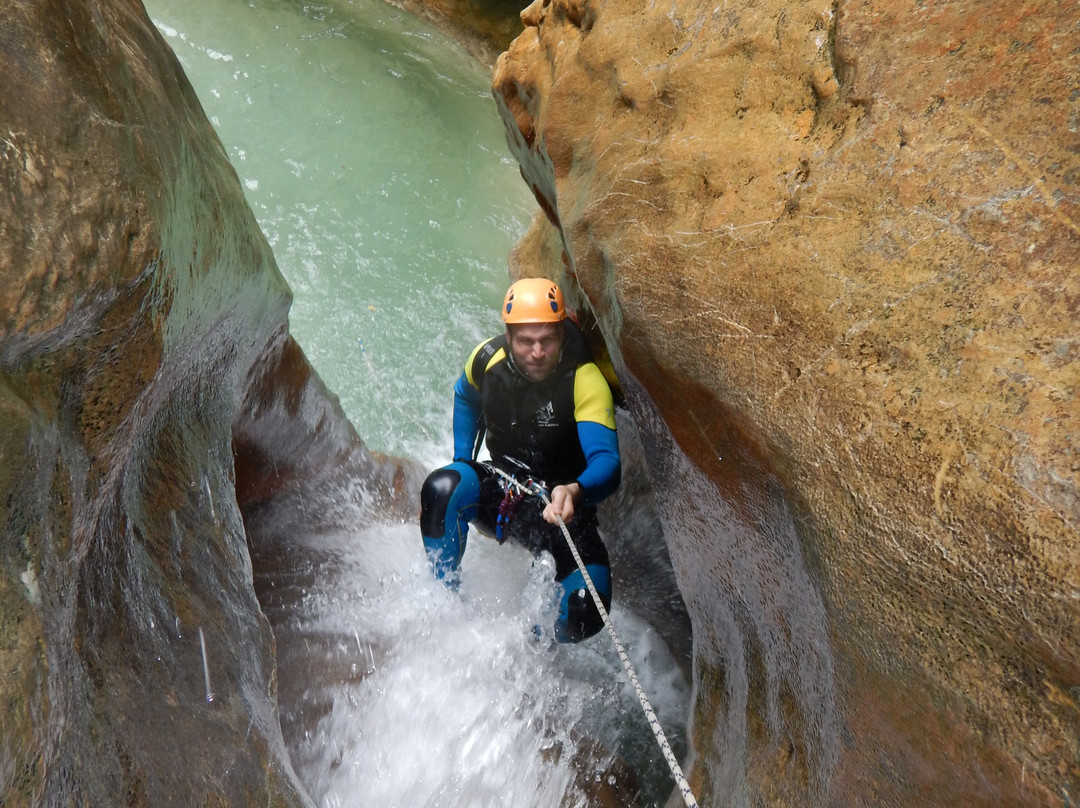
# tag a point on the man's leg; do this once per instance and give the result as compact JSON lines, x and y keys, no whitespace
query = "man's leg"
{"x":448,"y":502}
{"x":578,"y":617}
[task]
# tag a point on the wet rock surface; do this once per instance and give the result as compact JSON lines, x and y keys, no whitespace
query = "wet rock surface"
{"x":831,"y":250}
{"x":143,"y":341}
{"x":836,"y":245}
{"x":483,"y":28}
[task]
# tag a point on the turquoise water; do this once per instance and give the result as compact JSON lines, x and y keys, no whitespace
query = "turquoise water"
{"x":372,"y":155}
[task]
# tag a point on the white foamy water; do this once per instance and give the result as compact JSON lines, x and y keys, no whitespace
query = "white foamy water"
{"x":458,"y":702}
{"x":397,"y":690}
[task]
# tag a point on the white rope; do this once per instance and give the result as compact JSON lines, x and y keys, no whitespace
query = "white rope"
{"x":650,"y":714}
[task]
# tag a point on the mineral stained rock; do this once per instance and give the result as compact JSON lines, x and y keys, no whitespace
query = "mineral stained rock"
{"x":143,"y":342}
{"x":833,"y":245}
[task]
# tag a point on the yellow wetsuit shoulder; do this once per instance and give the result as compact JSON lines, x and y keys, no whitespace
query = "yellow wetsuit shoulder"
{"x":592,"y":396}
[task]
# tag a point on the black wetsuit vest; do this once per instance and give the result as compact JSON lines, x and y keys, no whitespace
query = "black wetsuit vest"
{"x":531,"y":430}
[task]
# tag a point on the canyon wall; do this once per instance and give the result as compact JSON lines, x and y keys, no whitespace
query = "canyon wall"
{"x":143,"y":344}
{"x":832,"y":247}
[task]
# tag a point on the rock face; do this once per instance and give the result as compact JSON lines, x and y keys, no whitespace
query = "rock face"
{"x":833,"y":248}
{"x":143,"y":342}
{"x":830,"y":248}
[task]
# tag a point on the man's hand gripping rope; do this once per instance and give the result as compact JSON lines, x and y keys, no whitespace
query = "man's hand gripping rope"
{"x":564,"y":500}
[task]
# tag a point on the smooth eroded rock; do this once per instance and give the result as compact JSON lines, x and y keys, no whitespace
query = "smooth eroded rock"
{"x":143,"y":340}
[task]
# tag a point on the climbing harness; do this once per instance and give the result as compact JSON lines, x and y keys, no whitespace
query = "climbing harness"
{"x":512,"y":497}
{"x":531,"y":487}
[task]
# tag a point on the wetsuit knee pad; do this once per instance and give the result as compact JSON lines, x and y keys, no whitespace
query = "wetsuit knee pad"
{"x":579,"y":618}
{"x":449,"y":486}
{"x":448,"y":502}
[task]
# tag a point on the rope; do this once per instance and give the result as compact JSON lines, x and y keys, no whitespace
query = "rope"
{"x":650,"y":714}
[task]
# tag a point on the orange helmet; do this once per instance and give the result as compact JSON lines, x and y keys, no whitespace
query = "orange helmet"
{"x":533,"y":300}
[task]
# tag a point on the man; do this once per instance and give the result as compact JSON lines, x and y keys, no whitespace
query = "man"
{"x":549,"y":418}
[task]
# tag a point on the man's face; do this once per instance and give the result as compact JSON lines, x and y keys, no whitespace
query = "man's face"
{"x":535,"y":348}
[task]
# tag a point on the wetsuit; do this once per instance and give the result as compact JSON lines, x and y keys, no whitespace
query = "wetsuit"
{"x":554,"y":432}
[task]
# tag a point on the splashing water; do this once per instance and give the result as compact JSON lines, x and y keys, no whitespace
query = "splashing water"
{"x":372,"y":155}
{"x":463,"y":704}
{"x":398,"y":691}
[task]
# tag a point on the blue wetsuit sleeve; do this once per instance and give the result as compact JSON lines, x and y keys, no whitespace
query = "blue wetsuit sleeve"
{"x":603,"y":468}
{"x":467,"y":412}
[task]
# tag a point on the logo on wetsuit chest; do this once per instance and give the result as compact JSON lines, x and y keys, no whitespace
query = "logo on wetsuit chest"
{"x":545,"y":416}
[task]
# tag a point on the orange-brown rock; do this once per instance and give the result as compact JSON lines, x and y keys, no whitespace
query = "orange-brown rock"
{"x":836,"y":244}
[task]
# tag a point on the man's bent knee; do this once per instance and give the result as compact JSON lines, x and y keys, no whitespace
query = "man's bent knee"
{"x":447,"y":503}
